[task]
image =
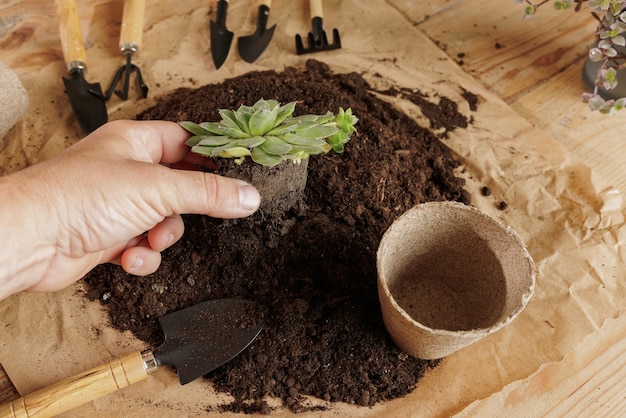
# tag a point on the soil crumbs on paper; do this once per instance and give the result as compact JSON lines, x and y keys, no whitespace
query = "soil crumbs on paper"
{"x":314,"y":274}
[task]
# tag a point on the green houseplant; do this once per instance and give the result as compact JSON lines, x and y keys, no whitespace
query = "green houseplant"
{"x":608,"y":55}
{"x":269,"y":147}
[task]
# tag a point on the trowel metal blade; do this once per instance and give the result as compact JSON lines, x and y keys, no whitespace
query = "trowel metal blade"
{"x":221,"y":38}
{"x":87,"y":101}
{"x":203,"y":337}
{"x":252,"y":46}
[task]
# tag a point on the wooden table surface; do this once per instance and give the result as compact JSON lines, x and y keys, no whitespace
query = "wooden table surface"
{"x":535,"y":67}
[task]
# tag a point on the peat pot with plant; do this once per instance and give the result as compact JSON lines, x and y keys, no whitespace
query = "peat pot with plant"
{"x":603,"y":70}
{"x":269,"y":147}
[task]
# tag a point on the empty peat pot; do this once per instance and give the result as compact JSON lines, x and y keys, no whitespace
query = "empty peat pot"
{"x":449,"y":275}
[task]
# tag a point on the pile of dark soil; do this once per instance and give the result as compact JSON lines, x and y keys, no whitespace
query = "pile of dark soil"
{"x":315,"y":277}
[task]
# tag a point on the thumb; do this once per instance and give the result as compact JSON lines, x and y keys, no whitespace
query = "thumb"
{"x":209,"y":194}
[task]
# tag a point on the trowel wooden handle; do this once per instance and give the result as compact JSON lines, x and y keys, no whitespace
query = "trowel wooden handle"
{"x":69,"y":30}
{"x":80,"y":389}
{"x":267,"y":3}
{"x":131,"y":33}
{"x":316,"y":8}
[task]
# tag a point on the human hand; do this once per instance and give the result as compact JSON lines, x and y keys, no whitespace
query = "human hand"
{"x":94,"y":203}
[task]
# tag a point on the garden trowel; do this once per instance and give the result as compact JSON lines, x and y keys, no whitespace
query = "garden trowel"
{"x":221,"y":38}
{"x":252,"y":46}
{"x":198,"y":340}
{"x":86,"y":99}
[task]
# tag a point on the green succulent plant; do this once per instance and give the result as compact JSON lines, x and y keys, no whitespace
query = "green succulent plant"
{"x":268,"y":133}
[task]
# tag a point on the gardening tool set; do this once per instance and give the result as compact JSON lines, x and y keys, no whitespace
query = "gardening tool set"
{"x":88,"y":101}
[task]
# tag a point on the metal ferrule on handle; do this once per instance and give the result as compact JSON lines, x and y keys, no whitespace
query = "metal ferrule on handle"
{"x":75,"y":65}
{"x":129,"y":48}
{"x":149,"y":361}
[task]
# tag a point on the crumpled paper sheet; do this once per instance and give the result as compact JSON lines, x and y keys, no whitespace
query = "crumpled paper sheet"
{"x":571,"y":221}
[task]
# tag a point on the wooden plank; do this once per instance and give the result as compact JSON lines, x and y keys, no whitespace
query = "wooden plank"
{"x":508,"y":54}
{"x":595,"y":139}
{"x":597,"y":389}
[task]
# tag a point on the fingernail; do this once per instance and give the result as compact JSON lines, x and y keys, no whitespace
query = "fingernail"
{"x":249,"y":198}
{"x":170,"y":241}
{"x":138,"y":263}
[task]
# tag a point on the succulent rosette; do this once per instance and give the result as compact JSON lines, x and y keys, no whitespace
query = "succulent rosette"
{"x":268,"y":133}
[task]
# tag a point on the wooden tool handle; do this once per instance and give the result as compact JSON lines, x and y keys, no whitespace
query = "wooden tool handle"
{"x":316,"y":8}
{"x":131,"y":33}
{"x":80,"y":389}
{"x":267,"y":3}
{"x":71,"y":38}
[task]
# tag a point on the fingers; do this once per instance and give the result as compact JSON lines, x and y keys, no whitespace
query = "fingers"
{"x":166,"y":233}
{"x":210,"y":194}
{"x":149,"y":141}
{"x":140,"y":260}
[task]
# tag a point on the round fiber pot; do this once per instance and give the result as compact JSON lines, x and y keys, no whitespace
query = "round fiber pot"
{"x":449,"y":275}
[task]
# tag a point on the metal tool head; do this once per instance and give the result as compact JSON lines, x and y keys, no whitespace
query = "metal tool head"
{"x":317,"y":39}
{"x":252,"y":46}
{"x":203,"y":337}
{"x":126,"y":70}
{"x":87,"y":101}
{"x":221,"y":38}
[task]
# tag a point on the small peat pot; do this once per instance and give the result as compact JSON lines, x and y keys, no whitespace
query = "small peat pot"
{"x":449,"y":275}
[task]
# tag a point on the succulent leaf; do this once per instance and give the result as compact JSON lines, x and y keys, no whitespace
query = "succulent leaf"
{"x":251,"y":142}
{"x":262,"y":121}
{"x":284,"y":112}
{"x":213,"y":141}
{"x":316,"y":131}
{"x":259,"y":156}
{"x":275,"y":146}
{"x":213,"y":127}
{"x":202,"y":150}
{"x":236,"y":133}
{"x":194,"y":128}
{"x":229,"y":119}
{"x":310,"y":149}
{"x":296,"y":139}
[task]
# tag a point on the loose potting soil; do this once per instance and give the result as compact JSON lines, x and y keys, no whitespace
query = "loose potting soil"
{"x":314,"y":272}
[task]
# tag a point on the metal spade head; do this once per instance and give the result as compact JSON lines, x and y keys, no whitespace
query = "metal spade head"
{"x":87,"y":101}
{"x":221,"y":38}
{"x":203,"y":337}
{"x":252,"y":46}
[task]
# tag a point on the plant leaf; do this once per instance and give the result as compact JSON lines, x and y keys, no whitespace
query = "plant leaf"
{"x":194,"y":128}
{"x":273,"y":145}
{"x":202,"y":150}
{"x":295,"y":139}
{"x":284,"y":112}
{"x":235,"y":152}
{"x":236,"y":133}
{"x":213,"y":127}
{"x":310,"y":149}
{"x":316,"y":131}
{"x":259,"y":156}
{"x":229,"y":119}
{"x":251,"y":142}
{"x":262,"y":121}
{"x":283,"y":129}
{"x":243,"y":120}
{"x":209,"y":141}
